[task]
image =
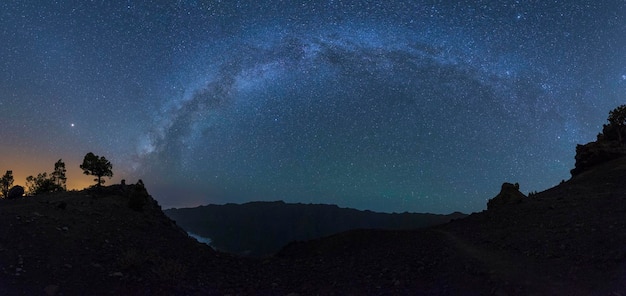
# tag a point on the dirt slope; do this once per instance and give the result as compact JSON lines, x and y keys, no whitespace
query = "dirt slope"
{"x":91,"y":242}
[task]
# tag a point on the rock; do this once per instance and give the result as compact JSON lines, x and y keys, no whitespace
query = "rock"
{"x":597,"y":152}
{"x":51,"y":290}
{"x":509,"y":194}
{"x":16,"y":191}
{"x":116,"y":274}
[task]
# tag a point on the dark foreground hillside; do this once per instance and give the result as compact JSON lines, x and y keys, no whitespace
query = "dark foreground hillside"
{"x":91,"y":243}
{"x":568,"y":240}
{"x":263,"y":228}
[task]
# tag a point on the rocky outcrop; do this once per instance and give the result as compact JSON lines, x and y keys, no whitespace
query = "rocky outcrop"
{"x":597,"y":152}
{"x":509,"y":194}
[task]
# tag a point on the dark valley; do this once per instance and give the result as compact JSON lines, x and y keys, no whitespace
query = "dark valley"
{"x":262,"y":228}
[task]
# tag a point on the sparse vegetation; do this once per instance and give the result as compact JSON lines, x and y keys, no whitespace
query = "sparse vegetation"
{"x":617,"y":125}
{"x":6,"y":182}
{"x":40,"y":184}
{"x":97,"y":166}
{"x":45,"y":183}
{"x":58,"y":175}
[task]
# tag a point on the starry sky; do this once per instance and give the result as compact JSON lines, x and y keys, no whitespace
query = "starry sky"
{"x":392,"y":106}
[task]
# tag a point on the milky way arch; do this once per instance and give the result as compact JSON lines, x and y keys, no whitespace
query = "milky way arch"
{"x":345,"y":110}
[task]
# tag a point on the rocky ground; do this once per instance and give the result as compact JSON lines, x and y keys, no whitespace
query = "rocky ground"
{"x":568,"y":240}
{"x":90,"y":243}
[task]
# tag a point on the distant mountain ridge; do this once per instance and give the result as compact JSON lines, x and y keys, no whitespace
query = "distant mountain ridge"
{"x":263,"y":228}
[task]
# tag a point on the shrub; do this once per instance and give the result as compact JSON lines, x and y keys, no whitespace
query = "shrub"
{"x":16,"y":191}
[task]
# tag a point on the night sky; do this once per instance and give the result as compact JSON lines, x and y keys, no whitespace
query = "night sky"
{"x":419,"y":106}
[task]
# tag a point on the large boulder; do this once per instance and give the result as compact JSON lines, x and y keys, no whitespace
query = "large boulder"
{"x":16,"y":191}
{"x":509,"y":194}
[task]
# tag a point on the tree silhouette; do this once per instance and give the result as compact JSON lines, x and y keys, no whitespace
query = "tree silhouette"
{"x":6,"y":182}
{"x":58,"y":175}
{"x":617,"y":123}
{"x":610,"y":143}
{"x":97,"y":166}
{"x":44,"y":183}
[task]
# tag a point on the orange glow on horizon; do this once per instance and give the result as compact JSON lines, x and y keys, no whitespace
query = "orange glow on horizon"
{"x":23,"y":167}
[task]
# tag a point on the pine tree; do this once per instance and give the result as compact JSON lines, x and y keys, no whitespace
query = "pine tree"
{"x":97,"y":166}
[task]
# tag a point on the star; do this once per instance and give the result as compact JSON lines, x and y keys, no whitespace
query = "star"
{"x":376,"y":106}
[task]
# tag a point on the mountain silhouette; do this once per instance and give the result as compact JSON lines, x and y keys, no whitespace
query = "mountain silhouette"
{"x":262,"y":228}
{"x":567,"y":240}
